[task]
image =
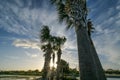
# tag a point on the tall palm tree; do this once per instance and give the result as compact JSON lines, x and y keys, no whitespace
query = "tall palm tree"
{"x":59,"y":42}
{"x":99,"y":70}
{"x":46,"y":41}
{"x":74,"y":13}
{"x":90,"y":27}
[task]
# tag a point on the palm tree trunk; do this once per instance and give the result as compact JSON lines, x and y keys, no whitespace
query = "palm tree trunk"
{"x":46,"y":67}
{"x":90,"y":67}
{"x":99,"y":70}
{"x":86,"y":63}
{"x":58,"y":64}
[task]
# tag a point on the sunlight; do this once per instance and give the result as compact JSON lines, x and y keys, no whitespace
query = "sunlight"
{"x":53,"y":65}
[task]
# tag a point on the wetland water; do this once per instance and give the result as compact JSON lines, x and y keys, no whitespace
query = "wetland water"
{"x":18,"y":77}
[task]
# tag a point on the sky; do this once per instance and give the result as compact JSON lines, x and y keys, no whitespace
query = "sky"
{"x":21,"y":21}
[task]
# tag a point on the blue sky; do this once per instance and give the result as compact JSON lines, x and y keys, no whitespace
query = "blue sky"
{"x":21,"y":21}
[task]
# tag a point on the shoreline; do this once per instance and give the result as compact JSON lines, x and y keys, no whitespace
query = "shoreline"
{"x":34,"y":76}
{"x":113,"y":76}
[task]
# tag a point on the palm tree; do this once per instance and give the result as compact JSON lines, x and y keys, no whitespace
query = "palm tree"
{"x":99,"y":70}
{"x":74,"y":13}
{"x":46,"y":41}
{"x":90,"y":27}
{"x":59,"y":42}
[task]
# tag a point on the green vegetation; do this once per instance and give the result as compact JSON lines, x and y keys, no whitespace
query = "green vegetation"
{"x":111,"y":71}
{"x":66,"y":71}
{"x":29,"y":72}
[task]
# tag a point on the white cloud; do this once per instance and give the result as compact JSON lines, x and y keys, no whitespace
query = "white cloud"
{"x":33,"y":20}
{"x":26,"y":43}
{"x":118,"y":7}
{"x":32,"y":55}
{"x":71,"y":57}
{"x":28,"y":22}
{"x":106,"y":36}
{"x":107,"y":45}
{"x":12,"y":57}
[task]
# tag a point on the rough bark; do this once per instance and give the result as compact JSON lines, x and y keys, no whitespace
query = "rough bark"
{"x":99,"y":70}
{"x":46,"y":67}
{"x":86,"y":63}
{"x":58,"y":64}
{"x":90,"y":67}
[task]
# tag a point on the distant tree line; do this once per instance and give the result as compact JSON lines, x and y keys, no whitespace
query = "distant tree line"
{"x":67,"y":72}
{"x":29,"y":72}
{"x":111,"y":71}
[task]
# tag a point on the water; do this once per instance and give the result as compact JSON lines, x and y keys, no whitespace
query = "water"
{"x":107,"y":78}
{"x":113,"y":78}
{"x":17,"y":77}
{"x":12,"y":79}
{"x":33,"y":78}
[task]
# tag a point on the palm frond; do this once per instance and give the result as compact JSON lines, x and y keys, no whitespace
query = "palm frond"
{"x":69,"y":24}
{"x":45,"y":34}
{"x":53,"y":1}
{"x":63,"y":9}
{"x":61,"y":12}
{"x":44,"y":47}
{"x":60,"y":41}
{"x":56,"y":2}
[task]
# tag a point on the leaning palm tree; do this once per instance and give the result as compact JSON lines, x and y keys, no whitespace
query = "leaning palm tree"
{"x":46,"y":41}
{"x":59,"y":42}
{"x":74,"y":13}
{"x":99,"y":70}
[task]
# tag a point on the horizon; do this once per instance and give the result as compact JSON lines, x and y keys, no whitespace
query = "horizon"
{"x":21,"y":21}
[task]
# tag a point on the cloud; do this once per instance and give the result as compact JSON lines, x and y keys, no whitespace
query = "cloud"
{"x":108,"y":46}
{"x":13,"y":57}
{"x":106,"y":37}
{"x":28,"y":21}
{"x":26,"y":18}
{"x":32,"y":55}
{"x":26,"y":44}
{"x":71,"y":57}
{"x":23,"y":20}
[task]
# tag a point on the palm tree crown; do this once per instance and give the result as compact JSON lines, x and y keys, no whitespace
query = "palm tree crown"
{"x":73,"y":12}
{"x":60,"y":41}
{"x":45,"y":34}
